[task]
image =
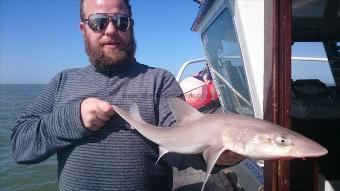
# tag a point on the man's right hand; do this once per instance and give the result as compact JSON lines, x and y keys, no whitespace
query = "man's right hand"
{"x":95,"y":113}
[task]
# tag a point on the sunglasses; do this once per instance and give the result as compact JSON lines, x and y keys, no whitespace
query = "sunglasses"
{"x":99,"y":21}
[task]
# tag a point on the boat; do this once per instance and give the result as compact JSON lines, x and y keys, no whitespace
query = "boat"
{"x":249,"y":51}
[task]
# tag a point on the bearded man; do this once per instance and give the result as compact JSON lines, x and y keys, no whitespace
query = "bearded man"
{"x":73,"y":117}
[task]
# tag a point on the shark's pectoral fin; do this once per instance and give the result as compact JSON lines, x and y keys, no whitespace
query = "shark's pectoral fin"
{"x":162,"y":151}
{"x":210,"y":155}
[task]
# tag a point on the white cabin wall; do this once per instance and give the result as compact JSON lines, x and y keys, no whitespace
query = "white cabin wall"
{"x":249,"y":24}
{"x":249,"y":21}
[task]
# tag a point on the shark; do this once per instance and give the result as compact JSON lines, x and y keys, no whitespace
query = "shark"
{"x":212,"y":134}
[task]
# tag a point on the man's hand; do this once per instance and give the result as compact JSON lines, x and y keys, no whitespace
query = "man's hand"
{"x":229,"y":158}
{"x":95,"y":113}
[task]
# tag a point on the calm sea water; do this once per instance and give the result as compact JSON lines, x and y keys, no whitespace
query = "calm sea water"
{"x":38,"y":177}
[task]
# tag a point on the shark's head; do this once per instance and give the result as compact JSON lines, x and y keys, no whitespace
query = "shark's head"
{"x":280,"y":143}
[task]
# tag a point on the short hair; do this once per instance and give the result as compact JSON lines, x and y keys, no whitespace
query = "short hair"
{"x":82,"y":14}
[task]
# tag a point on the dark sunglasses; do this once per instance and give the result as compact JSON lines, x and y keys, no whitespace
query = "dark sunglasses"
{"x":99,"y":21}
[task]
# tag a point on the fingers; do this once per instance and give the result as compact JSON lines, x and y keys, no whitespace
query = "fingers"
{"x":95,"y":113}
{"x":96,"y":122}
{"x":105,"y":110}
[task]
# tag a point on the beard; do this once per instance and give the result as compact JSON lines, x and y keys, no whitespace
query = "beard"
{"x":108,"y":62}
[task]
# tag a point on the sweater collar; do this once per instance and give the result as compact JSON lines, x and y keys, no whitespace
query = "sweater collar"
{"x":117,"y":70}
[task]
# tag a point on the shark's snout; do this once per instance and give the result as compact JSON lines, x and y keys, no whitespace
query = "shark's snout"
{"x":309,"y":149}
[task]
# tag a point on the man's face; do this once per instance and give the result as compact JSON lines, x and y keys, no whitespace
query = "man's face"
{"x":109,"y":47}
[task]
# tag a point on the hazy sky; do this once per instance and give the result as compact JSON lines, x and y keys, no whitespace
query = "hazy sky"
{"x":39,"y":38}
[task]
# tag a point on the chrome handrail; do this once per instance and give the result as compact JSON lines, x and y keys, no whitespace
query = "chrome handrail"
{"x":187,"y":63}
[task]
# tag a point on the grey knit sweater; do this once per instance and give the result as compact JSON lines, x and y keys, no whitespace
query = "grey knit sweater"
{"x":115,"y":157}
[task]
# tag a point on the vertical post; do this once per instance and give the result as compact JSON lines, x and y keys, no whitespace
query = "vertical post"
{"x":278,"y":35}
{"x":270,"y":44}
{"x":284,"y":82}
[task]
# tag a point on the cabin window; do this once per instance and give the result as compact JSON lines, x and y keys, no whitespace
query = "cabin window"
{"x":309,"y":62}
{"x":226,"y":64}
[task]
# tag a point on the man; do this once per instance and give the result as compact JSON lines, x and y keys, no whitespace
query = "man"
{"x":73,"y":116}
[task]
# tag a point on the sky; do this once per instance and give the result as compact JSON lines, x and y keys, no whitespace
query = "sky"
{"x":39,"y":38}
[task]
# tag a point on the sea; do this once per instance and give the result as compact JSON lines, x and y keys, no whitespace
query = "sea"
{"x":14,"y":99}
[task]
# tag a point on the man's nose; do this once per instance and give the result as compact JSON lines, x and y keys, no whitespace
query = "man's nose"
{"x":110,"y":29}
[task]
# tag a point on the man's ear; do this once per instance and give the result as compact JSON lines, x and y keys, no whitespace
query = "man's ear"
{"x":82,"y":27}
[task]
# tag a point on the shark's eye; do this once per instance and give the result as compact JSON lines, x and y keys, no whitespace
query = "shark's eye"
{"x":283,"y":141}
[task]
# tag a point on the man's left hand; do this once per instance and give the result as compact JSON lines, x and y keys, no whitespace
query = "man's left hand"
{"x":229,"y":158}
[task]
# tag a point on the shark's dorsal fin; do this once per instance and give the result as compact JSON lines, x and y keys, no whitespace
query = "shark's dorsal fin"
{"x":183,"y":112}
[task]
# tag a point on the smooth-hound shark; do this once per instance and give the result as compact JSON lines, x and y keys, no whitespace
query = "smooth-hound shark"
{"x":211,"y":134}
